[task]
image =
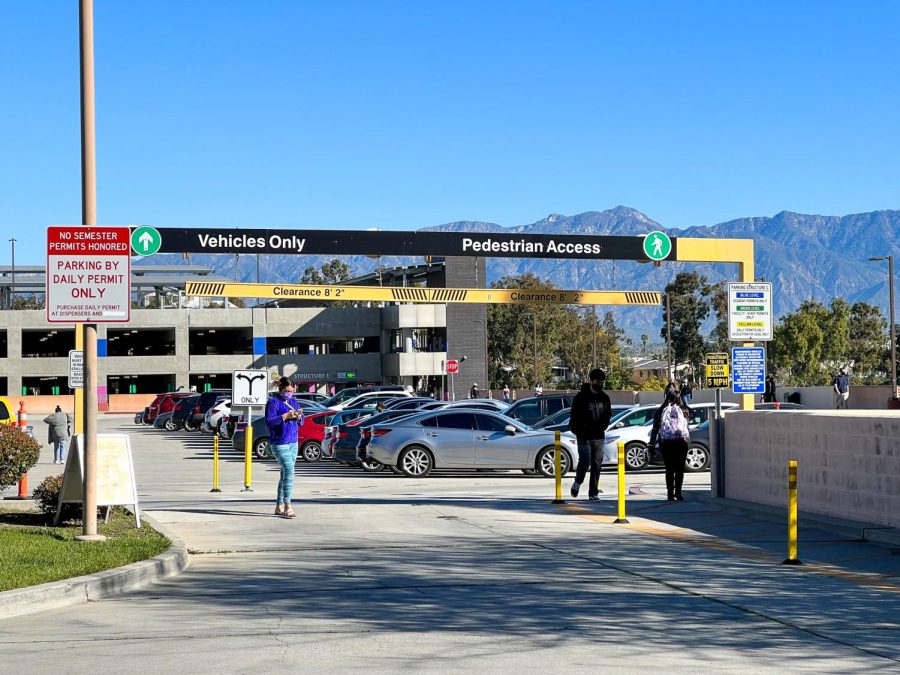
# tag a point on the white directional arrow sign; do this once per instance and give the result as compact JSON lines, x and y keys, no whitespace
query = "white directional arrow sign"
{"x":146,"y":239}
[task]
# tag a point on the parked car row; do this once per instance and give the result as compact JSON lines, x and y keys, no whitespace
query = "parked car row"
{"x":414,"y":436}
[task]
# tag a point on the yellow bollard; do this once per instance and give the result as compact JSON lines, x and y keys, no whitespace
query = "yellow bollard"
{"x":792,"y":558}
{"x":248,"y":455}
{"x":557,"y":461}
{"x":215,"y":487}
{"x":621,"y":485}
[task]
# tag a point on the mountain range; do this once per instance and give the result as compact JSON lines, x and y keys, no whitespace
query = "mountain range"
{"x":804,"y":256}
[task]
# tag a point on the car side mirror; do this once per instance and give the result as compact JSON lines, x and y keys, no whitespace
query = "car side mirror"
{"x":510,"y":429}
{"x":618,"y":425}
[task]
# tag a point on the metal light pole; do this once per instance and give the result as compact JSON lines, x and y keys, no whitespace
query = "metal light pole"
{"x":89,"y":217}
{"x":12,"y":287}
{"x":670,"y":373}
{"x":890,"y":260}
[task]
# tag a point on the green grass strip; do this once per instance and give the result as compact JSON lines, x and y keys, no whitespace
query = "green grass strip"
{"x":32,"y":553}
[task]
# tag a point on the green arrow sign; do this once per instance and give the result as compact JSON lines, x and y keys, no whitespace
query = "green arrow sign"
{"x":145,"y":240}
{"x":657,"y":245}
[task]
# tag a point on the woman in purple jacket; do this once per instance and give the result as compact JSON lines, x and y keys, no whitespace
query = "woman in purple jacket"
{"x":283,"y":418}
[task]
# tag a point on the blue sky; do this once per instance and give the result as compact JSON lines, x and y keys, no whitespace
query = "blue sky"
{"x":407,"y":114}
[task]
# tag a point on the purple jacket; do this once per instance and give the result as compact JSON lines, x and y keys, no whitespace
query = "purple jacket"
{"x":281,"y":431}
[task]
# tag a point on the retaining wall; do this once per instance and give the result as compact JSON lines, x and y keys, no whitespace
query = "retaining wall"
{"x":848,"y":461}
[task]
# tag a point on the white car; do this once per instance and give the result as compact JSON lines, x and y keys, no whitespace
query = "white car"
{"x":370,"y":399}
{"x":215,"y":418}
{"x":637,"y":438}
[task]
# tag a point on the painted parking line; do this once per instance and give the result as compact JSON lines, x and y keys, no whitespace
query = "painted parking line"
{"x":644,"y":526}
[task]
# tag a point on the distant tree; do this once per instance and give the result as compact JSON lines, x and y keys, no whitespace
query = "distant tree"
{"x":690,"y":307}
{"x":31,"y":301}
{"x":237,"y":302}
{"x":798,"y":345}
{"x":644,"y":340}
{"x":718,"y":300}
{"x":869,"y":345}
{"x":332,"y":272}
{"x":525,"y":337}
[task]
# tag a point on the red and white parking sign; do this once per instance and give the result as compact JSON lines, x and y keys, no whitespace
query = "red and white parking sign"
{"x":88,"y":274}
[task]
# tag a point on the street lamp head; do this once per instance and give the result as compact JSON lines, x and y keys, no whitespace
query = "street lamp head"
{"x":878,"y":257}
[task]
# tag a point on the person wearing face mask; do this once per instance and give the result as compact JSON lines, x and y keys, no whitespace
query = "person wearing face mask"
{"x":590,"y":416}
{"x":283,"y":418}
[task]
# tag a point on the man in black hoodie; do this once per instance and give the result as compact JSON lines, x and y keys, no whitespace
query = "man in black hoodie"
{"x":590,"y":417}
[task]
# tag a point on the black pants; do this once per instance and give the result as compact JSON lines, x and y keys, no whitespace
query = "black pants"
{"x":674,"y":455}
{"x":590,"y":453}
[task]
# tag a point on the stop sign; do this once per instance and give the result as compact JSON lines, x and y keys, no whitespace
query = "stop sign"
{"x":452,"y":366}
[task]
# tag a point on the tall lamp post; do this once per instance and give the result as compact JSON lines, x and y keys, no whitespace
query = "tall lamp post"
{"x":890,"y":260}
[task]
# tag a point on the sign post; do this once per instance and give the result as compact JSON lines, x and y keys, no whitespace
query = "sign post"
{"x":718,"y":377}
{"x":749,"y":370}
{"x":88,"y":281}
{"x":88,"y":274}
{"x":248,"y":390}
{"x":76,"y":369}
{"x":750,"y":312}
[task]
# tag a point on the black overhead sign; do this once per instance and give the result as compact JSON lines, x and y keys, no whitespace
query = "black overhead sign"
{"x":355,"y":242}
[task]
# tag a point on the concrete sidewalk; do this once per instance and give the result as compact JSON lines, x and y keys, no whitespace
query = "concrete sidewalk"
{"x":468,"y":572}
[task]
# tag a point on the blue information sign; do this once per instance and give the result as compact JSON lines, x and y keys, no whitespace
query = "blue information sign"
{"x":748,"y":370}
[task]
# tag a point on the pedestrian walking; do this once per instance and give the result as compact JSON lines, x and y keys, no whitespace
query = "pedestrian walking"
{"x":770,"y":390}
{"x":588,"y":420}
{"x":539,"y":390}
{"x":283,"y":419}
{"x":473,"y":392}
{"x":687,"y":391}
{"x":506,"y":393}
{"x":841,"y":387}
{"x":670,"y":429}
{"x":58,"y":433}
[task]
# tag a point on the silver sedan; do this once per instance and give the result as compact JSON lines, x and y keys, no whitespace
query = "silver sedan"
{"x":466,"y":439}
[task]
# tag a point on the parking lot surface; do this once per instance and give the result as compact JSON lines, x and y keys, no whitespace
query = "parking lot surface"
{"x":464,"y":572}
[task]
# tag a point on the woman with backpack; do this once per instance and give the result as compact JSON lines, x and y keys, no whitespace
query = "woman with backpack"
{"x":670,"y":428}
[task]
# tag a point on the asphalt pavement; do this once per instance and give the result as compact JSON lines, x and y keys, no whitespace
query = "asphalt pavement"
{"x":465,"y":572}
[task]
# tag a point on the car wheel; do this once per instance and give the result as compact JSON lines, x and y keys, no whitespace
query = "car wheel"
{"x":311,"y":451}
{"x":260,"y":449}
{"x":415,"y":462}
{"x":171,"y":425}
{"x":190,"y":425}
{"x":546,"y":463}
{"x":697,"y":459}
{"x":395,"y":470}
{"x":370,"y":465}
{"x":222,"y":429}
{"x":636,"y":457}
{"x":529,"y":472}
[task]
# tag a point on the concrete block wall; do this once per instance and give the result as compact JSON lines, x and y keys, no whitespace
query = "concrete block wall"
{"x":848,"y":461}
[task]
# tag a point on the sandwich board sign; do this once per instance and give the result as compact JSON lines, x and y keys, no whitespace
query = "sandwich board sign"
{"x":116,"y":484}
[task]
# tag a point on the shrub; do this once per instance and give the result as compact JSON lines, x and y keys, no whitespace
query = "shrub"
{"x":18,"y":453}
{"x":46,"y":495}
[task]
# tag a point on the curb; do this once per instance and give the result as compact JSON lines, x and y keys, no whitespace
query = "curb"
{"x":876,"y":534}
{"x":93,"y":587}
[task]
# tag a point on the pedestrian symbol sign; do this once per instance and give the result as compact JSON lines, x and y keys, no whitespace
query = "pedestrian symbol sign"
{"x":657,"y":245}
{"x":145,"y":240}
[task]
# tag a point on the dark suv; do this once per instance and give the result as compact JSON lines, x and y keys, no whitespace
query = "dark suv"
{"x":530,"y":410}
{"x":163,"y":403}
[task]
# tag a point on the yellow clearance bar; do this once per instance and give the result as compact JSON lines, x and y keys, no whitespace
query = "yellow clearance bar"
{"x":326,"y":293}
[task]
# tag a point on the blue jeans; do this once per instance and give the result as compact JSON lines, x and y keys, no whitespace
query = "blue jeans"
{"x":59,"y":449}
{"x":287,"y":456}
{"x":590,"y":454}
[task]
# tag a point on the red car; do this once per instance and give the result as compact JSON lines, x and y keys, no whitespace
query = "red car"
{"x":163,"y":403}
{"x":311,"y":433}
